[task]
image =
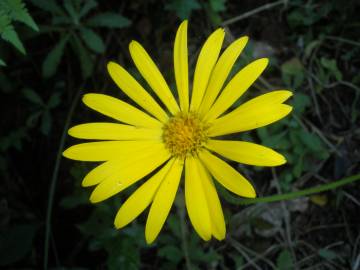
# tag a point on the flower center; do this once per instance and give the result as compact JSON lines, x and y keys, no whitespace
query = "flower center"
{"x":184,"y":134}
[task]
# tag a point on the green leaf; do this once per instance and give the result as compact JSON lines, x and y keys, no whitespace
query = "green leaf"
{"x":48,"y":5}
{"x":284,"y":261}
{"x":11,"y":36}
{"x":311,"y":141}
{"x":52,"y":60}
{"x":89,"y":5}
{"x":301,"y":102}
{"x":331,"y":65}
{"x":7,"y":31}
{"x":109,"y":19}
{"x":172,"y":253}
{"x":54,"y":100}
{"x":327,"y":254}
{"x":92,"y":40}
{"x":19,"y":12}
{"x":217,"y":5}
{"x":84,"y":57}
{"x":293,"y":72}
{"x":32,"y":96}
{"x":68,"y":4}
{"x":2,"y":63}
{"x":183,"y":8}
{"x":46,"y":121}
{"x":16,"y":243}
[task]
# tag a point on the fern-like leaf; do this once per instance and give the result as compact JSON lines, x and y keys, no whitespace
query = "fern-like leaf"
{"x":8,"y":33}
{"x":18,"y":12}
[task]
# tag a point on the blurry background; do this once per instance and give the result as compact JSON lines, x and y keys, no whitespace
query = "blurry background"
{"x":51,"y":52}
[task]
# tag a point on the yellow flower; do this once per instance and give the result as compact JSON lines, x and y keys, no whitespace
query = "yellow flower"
{"x":180,"y":138}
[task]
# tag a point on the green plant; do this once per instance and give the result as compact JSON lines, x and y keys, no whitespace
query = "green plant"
{"x":11,"y":11}
{"x":75,"y":28}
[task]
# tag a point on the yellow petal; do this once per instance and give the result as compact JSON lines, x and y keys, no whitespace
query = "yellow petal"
{"x":255,"y":113}
{"x":119,"y":110}
{"x":107,"y":150}
{"x":114,"y":166}
{"x":216,"y":214}
{"x":221,"y":72}
{"x":226,"y":175}
{"x":181,"y":66}
{"x":246,"y":152}
{"x":206,"y":61}
{"x":163,"y":201}
{"x":113,"y":131}
{"x":99,"y":173}
{"x":195,"y":199}
{"x":128,"y":173}
{"x":152,"y":75}
{"x":236,"y":87}
{"x":140,"y":199}
{"x":135,"y":91}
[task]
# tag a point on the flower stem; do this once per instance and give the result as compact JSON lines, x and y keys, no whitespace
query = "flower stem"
{"x":54,"y":179}
{"x":181,"y":213}
{"x":295,"y":194}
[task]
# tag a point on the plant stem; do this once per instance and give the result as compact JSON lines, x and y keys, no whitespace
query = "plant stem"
{"x":253,"y":12}
{"x":181,"y":213}
{"x":297,"y":194}
{"x":54,"y":179}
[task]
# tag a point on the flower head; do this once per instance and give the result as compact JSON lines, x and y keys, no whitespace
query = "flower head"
{"x":179,"y":136}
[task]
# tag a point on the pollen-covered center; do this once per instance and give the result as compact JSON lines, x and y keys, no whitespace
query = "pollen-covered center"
{"x":184,"y":134}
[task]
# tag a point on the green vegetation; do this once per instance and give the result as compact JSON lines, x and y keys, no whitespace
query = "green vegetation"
{"x":52,"y":52}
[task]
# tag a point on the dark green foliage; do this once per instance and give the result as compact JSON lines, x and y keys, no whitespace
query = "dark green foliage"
{"x":77,"y":29}
{"x":11,"y":11}
{"x":16,"y":243}
{"x":183,"y":8}
{"x":314,"y":51}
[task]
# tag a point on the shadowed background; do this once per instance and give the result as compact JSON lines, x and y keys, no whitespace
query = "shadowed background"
{"x":52,"y":52}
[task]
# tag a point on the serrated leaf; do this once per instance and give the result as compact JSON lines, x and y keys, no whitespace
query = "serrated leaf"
{"x":47,"y":5}
{"x":32,"y":96}
{"x":183,"y":8}
{"x":109,"y":19}
{"x":52,"y":60}
{"x":11,"y":36}
{"x":92,"y":40}
{"x":19,"y":12}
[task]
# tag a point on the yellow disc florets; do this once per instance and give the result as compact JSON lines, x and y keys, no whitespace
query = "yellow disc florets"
{"x":184,"y":134}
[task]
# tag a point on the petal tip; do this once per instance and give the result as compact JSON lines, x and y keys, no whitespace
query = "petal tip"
{"x":118,"y":224}
{"x":264,"y":61}
{"x":71,"y":133}
{"x":111,"y":64}
{"x":85,"y":183}
{"x":184,"y":23}
{"x":94,"y":199}
{"x":149,"y":238}
{"x":243,"y":40}
{"x":65,"y":153}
